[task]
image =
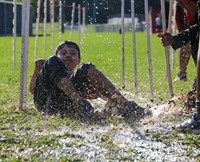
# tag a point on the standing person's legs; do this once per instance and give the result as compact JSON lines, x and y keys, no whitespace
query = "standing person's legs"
{"x":184,"y":56}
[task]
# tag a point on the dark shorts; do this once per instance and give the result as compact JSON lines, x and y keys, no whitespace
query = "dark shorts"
{"x":48,"y":97}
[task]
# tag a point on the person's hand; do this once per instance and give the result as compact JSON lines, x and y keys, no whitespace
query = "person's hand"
{"x":165,"y":38}
{"x":38,"y":64}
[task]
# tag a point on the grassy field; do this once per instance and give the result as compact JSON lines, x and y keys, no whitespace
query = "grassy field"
{"x":20,"y":131}
{"x":103,"y":50}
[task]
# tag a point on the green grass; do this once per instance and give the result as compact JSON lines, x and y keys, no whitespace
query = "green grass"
{"x":104,"y":51}
{"x":26,"y":135}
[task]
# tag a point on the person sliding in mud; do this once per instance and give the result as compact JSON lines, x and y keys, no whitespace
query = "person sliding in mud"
{"x":191,"y":35}
{"x":58,"y":89}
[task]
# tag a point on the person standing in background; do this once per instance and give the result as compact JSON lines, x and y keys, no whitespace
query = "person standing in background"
{"x":184,"y":18}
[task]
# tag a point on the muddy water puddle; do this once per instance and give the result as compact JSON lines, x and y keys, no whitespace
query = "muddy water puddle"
{"x":121,"y":143}
{"x":150,"y":140}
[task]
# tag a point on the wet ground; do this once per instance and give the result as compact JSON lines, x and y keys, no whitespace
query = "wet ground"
{"x":150,"y":139}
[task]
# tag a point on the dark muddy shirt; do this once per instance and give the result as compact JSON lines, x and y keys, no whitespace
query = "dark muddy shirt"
{"x":47,"y":96}
{"x":189,"y":35}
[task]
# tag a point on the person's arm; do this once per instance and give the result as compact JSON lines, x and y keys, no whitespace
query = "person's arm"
{"x":38,"y":66}
{"x":180,"y":39}
{"x":185,"y":36}
{"x":166,"y":39}
{"x":33,"y":82}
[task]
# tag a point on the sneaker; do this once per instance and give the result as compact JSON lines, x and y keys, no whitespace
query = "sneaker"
{"x":194,"y":122}
{"x":131,"y":108}
{"x":181,"y":76}
{"x":128,"y":108}
{"x":85,"y":108}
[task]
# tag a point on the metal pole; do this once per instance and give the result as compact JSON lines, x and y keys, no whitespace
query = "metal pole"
{"x":171,"y":2}
{"x":60,"y":20}
{"x":45,"y":28}
{"x":24,"y":50}
{"x":173,"y":30}
{"x":122,"y":29}
{"x":37,"y":29}
{"x":52,"y":26}
{"x":14,"y":32}
{"x":149,"y":49}
{"x":168,"y":69}
{"x":134,"y":47}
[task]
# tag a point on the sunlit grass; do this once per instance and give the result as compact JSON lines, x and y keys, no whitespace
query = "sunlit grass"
{"x":104,"y":51}
{"x":28,"y":136}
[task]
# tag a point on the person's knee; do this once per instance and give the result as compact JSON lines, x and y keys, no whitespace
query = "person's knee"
{"x":85,"y":66}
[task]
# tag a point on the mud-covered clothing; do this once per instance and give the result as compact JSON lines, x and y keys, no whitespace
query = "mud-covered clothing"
{"x":189,"y":35}
{"x":47,"y":96}
{"x":184,"y":18}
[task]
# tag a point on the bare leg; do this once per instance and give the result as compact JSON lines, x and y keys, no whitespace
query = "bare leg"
{"x":184,"y":57}
{"x":104,"y":86}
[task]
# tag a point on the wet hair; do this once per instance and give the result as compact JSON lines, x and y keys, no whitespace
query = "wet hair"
{"x":69,"y":44}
